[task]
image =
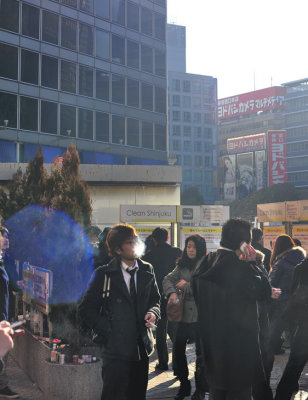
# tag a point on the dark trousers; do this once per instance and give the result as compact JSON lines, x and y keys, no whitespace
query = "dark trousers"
{"x":218,"y":394}
{"x":164,"y":327}
{"x":185,"y":332}
{"x":277,"y":325}
{"x":125,"y":380}
{"x":295,"y":365}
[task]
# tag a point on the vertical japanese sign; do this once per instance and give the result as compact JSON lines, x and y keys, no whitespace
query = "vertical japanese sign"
{"x":277,"y":157}
{"x":259,"y":168}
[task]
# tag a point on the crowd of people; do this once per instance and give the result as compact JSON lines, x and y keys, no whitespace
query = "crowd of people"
{"x":239,"y":302}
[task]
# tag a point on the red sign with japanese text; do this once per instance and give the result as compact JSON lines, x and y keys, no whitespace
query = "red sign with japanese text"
{"x":251,"y":103}
{"x":247,"y":143}
{"x":277,"y":157}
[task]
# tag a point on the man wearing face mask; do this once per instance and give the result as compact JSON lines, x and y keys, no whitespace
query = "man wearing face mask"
{"x":120,"y":306}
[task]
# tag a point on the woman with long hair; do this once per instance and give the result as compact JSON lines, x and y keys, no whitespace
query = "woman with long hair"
{"x":187,"y":330}
{"x":285,"y":257}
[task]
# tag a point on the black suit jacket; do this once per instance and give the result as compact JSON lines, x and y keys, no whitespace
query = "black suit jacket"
{"x":118,"y":323}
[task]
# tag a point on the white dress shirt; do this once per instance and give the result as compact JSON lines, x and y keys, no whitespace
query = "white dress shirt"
{"x":127,"y":276}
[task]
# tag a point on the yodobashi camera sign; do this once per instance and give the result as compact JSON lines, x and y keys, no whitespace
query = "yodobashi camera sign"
{"x":136,"y":213}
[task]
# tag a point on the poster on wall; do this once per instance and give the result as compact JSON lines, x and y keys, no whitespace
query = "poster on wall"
{"x":300,"y":232}
{"x":259,"y":165}
{"x":270,"y":234}
{"x":245,"y":174}
{"x":229,"y":174}
{"x":211,"y":235}
{"x":277,"y":157}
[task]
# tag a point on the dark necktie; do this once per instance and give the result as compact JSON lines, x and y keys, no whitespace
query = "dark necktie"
{"x":132,"y":286}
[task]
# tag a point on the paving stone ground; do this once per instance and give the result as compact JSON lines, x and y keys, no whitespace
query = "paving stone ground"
{"x":161,"y":385}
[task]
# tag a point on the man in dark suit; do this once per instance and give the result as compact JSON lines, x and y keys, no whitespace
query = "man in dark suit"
{"x":120,"y":306}
{"x":257,"y":243}
{"x":163,"y":258}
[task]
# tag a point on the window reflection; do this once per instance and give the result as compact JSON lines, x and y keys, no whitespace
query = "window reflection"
{"x":118,"y":129}
{"x":9,"y":15}
{"x":85,"y":124}
{"x":67,"y":120}
{"x":49,"y":72}
{"x":29,"y":66}
{"x":30,"y":21}
{"x":68,"y":76}
{"x":102,"y":126}
{"x":49,"y":117}
{"x":50,"y":27}
{"x":68,"y":34}
{"x":8,"y":61}
{"x":28,"y":113}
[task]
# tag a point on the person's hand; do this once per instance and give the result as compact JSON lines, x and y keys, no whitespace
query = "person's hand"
{"x":182,"y":284}
{"x":173,"y":298}
{"x":276,"y":292}
{"x":6,"y":342}
{"x":150,"y":319}
{"x":247,"y":252}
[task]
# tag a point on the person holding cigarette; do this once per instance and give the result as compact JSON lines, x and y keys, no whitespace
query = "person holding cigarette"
{"x":6,"y":342}
{"x":120,"y":307}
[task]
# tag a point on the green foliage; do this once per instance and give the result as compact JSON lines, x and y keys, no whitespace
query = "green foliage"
{"x":247,"y":207}
{"x":61,"y":190}
{"x":191,"y":197}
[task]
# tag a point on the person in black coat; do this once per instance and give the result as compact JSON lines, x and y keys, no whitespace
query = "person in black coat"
{"x":120,"y":306}
{"x":284,"y":258}
{"x":296,"y":310}
{"x":163,"y":259}
{"x":227,"y":287}
{"x":257,"y":243}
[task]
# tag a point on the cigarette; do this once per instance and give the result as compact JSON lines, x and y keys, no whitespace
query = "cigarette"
{"x":153,"y":325}
{"x":18,"y":323}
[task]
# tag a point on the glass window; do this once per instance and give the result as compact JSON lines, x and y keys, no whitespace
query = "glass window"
{"x":68,"y":33}
{"x":178,"y":159}
{"x":132,"y":16}
{"x":132,"y":132}
{"x":207,"y":161}
{"x":197,"y":102}
{"x":187,"y":160}
{"x":50,"y":27}
{"x":118,"y":11}
{"x":160,"y":2}
{"x":186,"y":86}
{"x":196,"y":87}
{"x":208,"y":133}
{"x":118,"y":49}
{"x":28,"y":113}
{"x":49,"y":72}
{"x":187,"y":175}
{"x":132,"y":93}
{"x":147,"y":135}
{"x":160,"y":137}
{"x":176,"y":100}
{"x":67,"y":120}
{"x":146,"y":21}
{"x":8,"y":109}
{"x":49,"y":117}
{"x":118,"y":89}
{"x":160,"y":63}
{"x":187,"y":130}
{"x":187,"y":145}
{"x":132,"y":54}
{"x":197,"y":117}
{"x":8,"y":61}
{"x":102,"y":126}
{"x":198,"y":175}
{"x":85,"y":124}
{"x":29,"y":66}
{"x":85,"y":81}
{"x":118,"y":129}
{"x":197,"y":147}
{"x":198,"y":161}
{"x":187,"y":116}
{"x":197,"y":131}
{"x":30,"y":21}
{"x":102,"y":85}
{"x":146,"y":58}
{"x":68,"y":76}
{"x":147,"y":96}
{"x":176,"y":145}
{"x":186,"y":101}
{"x":85,"y":39}
{"x":86,"y":5}
{"x":102,"y":44}
{"x":160,"y":24}
{"x":102,"y":8}
{"x":9,"y":15}
{"x":71,"y":3}
{"x":176,"y":85}
{"x":176,"y":115}
{"x":207,"y":147}
{"x":160,"y":100}
{"x":176,"y":130}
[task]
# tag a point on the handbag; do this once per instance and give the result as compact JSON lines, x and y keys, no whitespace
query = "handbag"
{"x":175,"y":310}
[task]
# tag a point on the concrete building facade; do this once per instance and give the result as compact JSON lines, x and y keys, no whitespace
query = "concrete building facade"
{"x":192,"y":101}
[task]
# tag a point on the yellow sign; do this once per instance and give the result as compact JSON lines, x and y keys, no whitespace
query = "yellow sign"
{"x":303,"y":210}
{"x":270,"y":234}
{"x":292,"y":211}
